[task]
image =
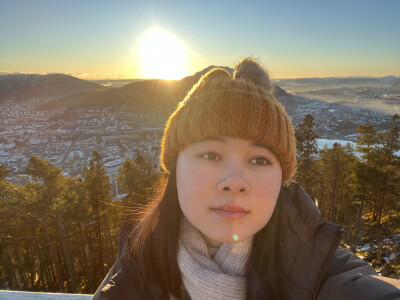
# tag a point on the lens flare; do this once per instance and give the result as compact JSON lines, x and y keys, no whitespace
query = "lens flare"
{"x":235,"y":237}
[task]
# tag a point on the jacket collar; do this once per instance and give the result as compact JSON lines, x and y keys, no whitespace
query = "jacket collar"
{"x":306,"y":244}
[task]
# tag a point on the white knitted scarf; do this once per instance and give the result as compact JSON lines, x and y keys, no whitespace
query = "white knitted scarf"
{"x":208,"y":276}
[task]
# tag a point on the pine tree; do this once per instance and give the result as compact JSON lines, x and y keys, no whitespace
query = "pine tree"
{"x":307,"y":153}
{"x":138,"y":178}
{"x":386,"y":162}
{"x":48,"y":206}
{"x":4,"y":172}
{"x":336,"y":168}
{"x":365,"y":144}
{"x":97,"y":186}
{"x":48,"y":231}
{"x":9,"y":219}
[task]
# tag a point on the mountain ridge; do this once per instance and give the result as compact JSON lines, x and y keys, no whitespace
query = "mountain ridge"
{"x":144,"y":94}
{"x":20,"y":86}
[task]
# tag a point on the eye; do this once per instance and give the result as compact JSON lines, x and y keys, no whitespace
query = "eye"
{"x":260,"y":161}
{"x":211,"y":156}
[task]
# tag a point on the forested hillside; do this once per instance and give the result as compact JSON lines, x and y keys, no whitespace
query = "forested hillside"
{"x":60,"y":233}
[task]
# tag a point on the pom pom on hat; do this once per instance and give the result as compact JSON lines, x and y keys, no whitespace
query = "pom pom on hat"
{"x":249,"y":69}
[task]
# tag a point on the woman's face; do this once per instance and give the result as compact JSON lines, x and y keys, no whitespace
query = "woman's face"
{"x":228,"y":187}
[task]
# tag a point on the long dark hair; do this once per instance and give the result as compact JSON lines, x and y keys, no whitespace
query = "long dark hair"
{"x":264,"y":277}
{"x":156,"y":245}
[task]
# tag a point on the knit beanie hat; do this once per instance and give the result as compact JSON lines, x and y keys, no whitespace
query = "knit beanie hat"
{"x":239,"y":107}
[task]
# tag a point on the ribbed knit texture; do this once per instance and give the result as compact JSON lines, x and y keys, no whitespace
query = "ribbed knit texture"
{"x":204,"y":277}
{"x":219,"y":105}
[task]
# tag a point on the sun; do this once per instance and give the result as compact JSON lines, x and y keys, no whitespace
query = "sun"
{"x":162,"y":56}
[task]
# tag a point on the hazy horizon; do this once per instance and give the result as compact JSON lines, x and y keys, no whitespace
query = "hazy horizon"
{"x":144,"y":78}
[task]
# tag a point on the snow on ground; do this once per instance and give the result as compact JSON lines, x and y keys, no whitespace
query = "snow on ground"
{"x":322,"y":142}
{"x":17,"y":295}
{"x":365,"y":247}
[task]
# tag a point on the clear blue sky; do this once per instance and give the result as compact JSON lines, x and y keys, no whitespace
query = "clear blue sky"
{"x":292,"y":38}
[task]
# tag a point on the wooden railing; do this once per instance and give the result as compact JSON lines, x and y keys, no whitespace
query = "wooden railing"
{"x":18,"y":295}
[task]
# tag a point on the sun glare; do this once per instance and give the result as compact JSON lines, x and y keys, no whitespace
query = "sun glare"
{"x":162,"y":56}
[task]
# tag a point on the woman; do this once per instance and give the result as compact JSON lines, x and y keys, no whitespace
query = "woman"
{"x":230,"y":223}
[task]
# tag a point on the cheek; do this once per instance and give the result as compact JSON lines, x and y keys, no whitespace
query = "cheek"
{"x":273,"y":180}
{"x":192,"y":185}
{"x":267,"y":190}
{"x":274,"y":183}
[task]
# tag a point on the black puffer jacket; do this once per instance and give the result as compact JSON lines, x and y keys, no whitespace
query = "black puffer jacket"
{"x":313,"y":265}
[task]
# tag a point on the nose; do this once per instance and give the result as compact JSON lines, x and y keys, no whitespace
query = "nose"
{"x":233,"y":182}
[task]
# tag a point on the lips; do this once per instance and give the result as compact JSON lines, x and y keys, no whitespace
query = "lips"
{"x":230,"y":212}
